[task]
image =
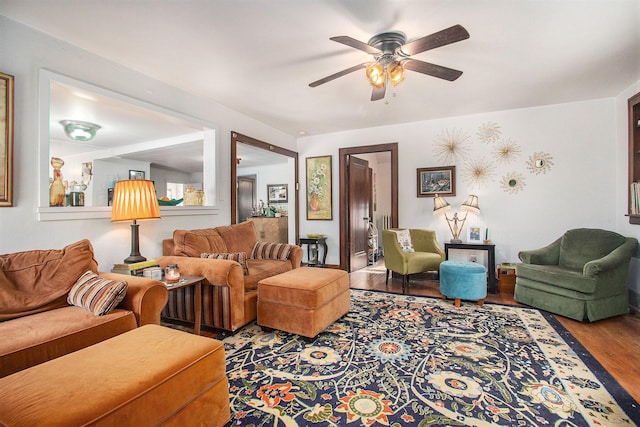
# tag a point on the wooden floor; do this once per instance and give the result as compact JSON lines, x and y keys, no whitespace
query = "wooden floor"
{"x":614,"y":342}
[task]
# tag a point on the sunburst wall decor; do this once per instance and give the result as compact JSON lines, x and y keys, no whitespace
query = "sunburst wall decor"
{"x":478,"y":171}
{"x":451,"y":145}
{"x":539,"y":162}
{"x":512,"y":182}
{"x":507,"y":151}
{"x":489,"y":132}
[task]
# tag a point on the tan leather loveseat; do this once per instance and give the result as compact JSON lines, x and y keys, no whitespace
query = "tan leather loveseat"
{"x":36,"y":322}
{"x":229,"y":291}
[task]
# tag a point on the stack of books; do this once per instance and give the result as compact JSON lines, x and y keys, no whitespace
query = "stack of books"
{"x":135,"y":269}
{"x":635,"y":198}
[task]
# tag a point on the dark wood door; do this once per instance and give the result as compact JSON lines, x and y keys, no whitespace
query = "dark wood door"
{"x":359,"y":195}
{"x":246,"y":197}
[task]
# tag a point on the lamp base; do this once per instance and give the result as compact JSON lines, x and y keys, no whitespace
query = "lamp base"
{"x":134,"y":258}
{"x":455,"y":241}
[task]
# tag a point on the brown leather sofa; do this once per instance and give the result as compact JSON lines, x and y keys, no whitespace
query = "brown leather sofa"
{"x":229,"y":291}
{"x":36,"y":322}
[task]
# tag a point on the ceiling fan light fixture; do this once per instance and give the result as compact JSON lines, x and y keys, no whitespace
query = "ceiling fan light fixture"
{"x":395,"y":71}
{"x":375,"y":74}
{"x":78,"y":130}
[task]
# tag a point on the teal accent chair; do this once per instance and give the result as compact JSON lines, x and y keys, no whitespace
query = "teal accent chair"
{"x":427,"y":256}
{"x":581,"y":275}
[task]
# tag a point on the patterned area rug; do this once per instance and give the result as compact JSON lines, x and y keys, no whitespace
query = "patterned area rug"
{"x":398,"y":360}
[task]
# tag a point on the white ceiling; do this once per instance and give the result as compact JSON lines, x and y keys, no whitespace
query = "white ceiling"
{"x":258,"y":56}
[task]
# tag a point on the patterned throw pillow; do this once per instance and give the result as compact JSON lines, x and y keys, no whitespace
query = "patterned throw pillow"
{"x":267,"y":250}
{"x":95,"y":294}
{"x":239,"y":257}
{"x":404,"y":239}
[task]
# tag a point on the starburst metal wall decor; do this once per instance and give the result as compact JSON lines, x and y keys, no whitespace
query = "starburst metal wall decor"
{"x":539,"y":162}
{"x":489,"y":132}
{"x":512,"y":182}
{"x":507,"y":151}
{"x":451,"y":145}
{"x":478,"y":171}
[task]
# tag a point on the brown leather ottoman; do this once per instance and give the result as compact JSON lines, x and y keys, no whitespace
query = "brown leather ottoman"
{"x":303,"y":301}
{"x":149,"y":376}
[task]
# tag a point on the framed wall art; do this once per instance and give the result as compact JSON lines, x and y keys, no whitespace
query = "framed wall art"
{"x":319,"y":188}
{"x":440,"y":180}
{"x":474,"y":234}
{"x":277,"y":193}
{"x":6,"y":143}
{"x":136,"y":174}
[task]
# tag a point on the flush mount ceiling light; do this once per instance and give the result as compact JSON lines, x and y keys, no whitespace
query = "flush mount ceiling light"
{"x":79,"y":131}
{"x":392,"y":55}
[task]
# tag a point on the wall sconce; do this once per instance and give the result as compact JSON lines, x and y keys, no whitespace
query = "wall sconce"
{"x":441,"y":206}
{"x":134,"y":199}
{"x":79,"y":131}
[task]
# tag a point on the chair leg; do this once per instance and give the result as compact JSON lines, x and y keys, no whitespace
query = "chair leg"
{"x":405,"y":282}
{"x":457,"y":302}
{"x":386,"y":282}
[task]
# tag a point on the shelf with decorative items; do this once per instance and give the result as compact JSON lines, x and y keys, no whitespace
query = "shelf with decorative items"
{"x":634,"y":160}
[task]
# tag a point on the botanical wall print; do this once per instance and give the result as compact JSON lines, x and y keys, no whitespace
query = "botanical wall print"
{"x":319,"y":187}
{"x":512,"y":182}
{"x":539,"y":162}
{"x":489,"y":132}
{"x":6,"y":140}
{"x":506,"y":151}
{"x":451,"y":145}
{"x":478,"y":171}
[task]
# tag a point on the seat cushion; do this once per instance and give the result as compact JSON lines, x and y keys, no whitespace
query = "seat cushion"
{"x":561,"y":277}
{"x":50,"y":334}
{"x":582,"y":245}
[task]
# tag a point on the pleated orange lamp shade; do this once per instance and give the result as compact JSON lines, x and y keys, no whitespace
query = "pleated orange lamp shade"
{"x":134,"y":199}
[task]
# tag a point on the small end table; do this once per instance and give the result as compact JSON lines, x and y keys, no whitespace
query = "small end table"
{"x":492,"y":286}
{"x":196,"y":282}
{"x":312,"y":243}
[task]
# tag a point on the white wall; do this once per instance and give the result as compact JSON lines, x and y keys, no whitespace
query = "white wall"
{"x":579,"y":190}
{"x":23,"y":52}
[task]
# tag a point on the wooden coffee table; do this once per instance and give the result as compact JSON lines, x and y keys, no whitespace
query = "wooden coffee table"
{"x":196,"y":282}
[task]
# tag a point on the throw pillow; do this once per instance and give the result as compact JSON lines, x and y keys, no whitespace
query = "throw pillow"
{"x":239,"y":257}
{"x":404,"y":239}
{"x":267,"y":250}
{"x":95,"y":294}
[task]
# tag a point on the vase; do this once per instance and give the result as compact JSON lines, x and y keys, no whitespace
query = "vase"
{"x":314,"y":203}
{"x":56,"y":190}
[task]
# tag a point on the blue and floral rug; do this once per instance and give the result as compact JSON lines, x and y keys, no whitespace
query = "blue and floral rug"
{"x":398,"y":360}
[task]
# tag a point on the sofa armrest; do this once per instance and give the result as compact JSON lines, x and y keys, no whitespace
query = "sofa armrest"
{"x":295,"y":256}
{"x":549,"y":255}
{"x":145,"y":297}
{"x":615,"y":259}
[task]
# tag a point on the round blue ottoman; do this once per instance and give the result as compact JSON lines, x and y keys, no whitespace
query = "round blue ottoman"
{"x":463,"y":280}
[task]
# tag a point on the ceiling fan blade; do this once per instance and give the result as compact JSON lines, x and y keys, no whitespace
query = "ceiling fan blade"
{"x":357,"y":44}
{"x":339,"y":74}
{"x":432,"y":69}
{"x":441,"y":38}
{"x":378,"y":93}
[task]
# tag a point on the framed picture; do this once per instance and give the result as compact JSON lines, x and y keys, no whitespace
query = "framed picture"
{"x":440,"y":181}
{"x":319,"y":188}
{"x":474,"y":234}
{"x":277,"y":193}
{"x":6,"y":141}
{"x":136,"y":174}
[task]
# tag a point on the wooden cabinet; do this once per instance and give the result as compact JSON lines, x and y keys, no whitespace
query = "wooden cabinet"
{"x":506,"y":278}
{"x":634,"y":159}
{"x":274,"y":230}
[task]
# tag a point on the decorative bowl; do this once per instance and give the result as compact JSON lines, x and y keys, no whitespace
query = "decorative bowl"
{"x":171,"y":202}
{"x":315,"y":235}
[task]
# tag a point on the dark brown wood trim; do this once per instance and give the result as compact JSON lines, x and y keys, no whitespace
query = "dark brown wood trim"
{"x":634,"y":143}
{"x":342,"y":165}
{"x":238,"y":137}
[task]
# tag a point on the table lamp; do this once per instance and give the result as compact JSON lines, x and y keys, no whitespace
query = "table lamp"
{"x":133,"y":200}
{"x":441,"y":206}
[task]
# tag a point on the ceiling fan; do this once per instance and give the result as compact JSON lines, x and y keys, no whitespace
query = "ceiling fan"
{"x":392,"y":55}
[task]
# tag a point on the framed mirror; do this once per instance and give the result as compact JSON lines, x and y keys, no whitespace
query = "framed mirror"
{"x":171,"y":149}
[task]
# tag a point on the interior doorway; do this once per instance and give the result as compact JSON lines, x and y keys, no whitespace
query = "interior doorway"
{"x":348,"y":224}
{"x":246,"y":196}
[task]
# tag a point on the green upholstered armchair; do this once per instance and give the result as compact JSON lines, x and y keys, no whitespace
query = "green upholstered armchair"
{"x":427,"y":256}
{"x":581,"y":275}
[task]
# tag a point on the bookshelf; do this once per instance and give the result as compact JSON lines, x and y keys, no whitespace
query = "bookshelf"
{"x":634,"y":160}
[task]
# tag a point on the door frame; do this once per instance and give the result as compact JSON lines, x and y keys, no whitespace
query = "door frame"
{"x":343,"y":196}
{"x":238,"y":137}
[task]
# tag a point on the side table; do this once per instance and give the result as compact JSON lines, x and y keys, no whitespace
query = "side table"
{"x":196,"y":282}
{"x":492,"y":286}
{"x":312,"y":247}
